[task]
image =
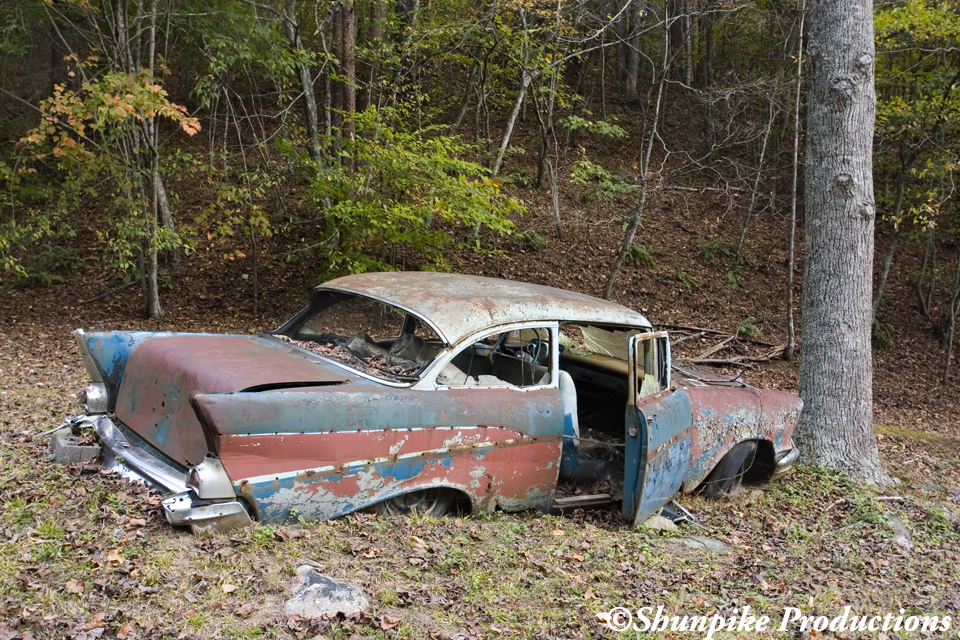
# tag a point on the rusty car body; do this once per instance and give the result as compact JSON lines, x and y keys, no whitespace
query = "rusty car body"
{"x":390,"y":391}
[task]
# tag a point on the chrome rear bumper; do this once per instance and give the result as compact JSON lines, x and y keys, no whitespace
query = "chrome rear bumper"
{"x":183,"y":508}
{"x":123,"y":457}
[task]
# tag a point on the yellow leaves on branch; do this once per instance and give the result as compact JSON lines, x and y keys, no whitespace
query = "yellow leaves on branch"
{"x":104,"y":106}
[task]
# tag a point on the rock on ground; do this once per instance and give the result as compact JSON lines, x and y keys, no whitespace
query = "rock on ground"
{"x":701,"y":542}
{"x":317,"y":596}
{"x":659,"y":523}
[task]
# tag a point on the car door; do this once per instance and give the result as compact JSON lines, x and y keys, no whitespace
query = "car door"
{"x":658,"y":429}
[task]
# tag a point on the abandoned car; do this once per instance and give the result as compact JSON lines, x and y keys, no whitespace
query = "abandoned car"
{"x":416,"y":391}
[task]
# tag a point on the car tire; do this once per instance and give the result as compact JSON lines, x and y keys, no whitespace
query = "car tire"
{"x":426,"y":502}
{"x":728,"y":474}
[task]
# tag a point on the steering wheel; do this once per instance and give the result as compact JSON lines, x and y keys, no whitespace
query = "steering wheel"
{"x":497,"y":345}
{"x":538,"y":350}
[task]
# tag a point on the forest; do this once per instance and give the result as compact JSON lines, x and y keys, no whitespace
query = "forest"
{"x":190,"y":165}
{"x":380,"y":135}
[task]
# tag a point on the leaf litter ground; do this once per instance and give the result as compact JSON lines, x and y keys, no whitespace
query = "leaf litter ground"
{"x":87,"y":555}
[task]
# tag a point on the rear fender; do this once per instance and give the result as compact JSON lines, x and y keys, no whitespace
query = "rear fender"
{"x":104,"y":355}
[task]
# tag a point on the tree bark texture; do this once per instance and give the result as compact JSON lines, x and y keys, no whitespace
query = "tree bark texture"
{"x":292,"y":29}
{"x":633,"y":48}
{"x":349,"y":66}
{"x":953,"y":309}
{"x":378,"y":16}
{"x":791,"y":251}
{"x":836,"y":368}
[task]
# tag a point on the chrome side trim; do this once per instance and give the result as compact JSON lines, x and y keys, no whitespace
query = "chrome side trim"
{"x":93,"y":398}
{"x":120,"y":453}
{"x":85,"y":356}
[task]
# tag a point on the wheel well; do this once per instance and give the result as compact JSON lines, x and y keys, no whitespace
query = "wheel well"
{"x":461,"y":502}
{"x":250,"y":505}
{"x":764,"y":463}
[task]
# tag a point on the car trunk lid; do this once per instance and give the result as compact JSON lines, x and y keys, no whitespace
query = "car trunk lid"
{"x":163,"y":374}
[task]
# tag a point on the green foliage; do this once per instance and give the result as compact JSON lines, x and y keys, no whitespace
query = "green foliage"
{"x":239,"y":46}
{"x":85,"y":138}
{"x":747,"y":328}
{"x":688,"y":280}
{"x":596,"y":181}
{"x":734,"y":276}
{"x":598,"y":127}
{"x":918,"y":106}
{"x":408,"y":187}
{"x":711,"y":248}
{"x":14,"y":33}
{"x":234,"y":211}
{"x":529,"y":239}
{"x":519,"y":178}
{"x":883,"y":333}
{"x":641,"y":256}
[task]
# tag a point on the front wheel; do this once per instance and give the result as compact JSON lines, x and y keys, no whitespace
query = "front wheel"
{"x":426,"y":502}
{"x":728,"y":474}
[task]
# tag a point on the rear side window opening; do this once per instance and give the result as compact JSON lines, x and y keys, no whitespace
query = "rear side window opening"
{"x":373,"y":337}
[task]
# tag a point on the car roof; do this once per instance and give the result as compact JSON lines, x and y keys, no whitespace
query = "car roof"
{"x":460,"y":305}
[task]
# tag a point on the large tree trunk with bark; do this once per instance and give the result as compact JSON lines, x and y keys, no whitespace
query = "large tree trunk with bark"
{"x":836,"y":368}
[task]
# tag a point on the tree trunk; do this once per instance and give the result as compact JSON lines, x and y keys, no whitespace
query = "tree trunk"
{"x":674,"y":16}
{"x":336,"y":88}
{"x":705,"y":64}
{"x":788,"y":351}
{"x":952,"y":310}
{"x":925,"y":300}
{"x":378,"y":16}
{"x":306,"y":82}
{"x":836,"y":367}
{"x":349,"y":70}
{"x":555,"y":197}
{"x":894,"y":237}
{"x":622,"y":28}
{"x":633,"y":47}
{"x":465,"y":101}
{"x":512,"y":120}
{"x":644,"y":180}
{"x":738,"y":260}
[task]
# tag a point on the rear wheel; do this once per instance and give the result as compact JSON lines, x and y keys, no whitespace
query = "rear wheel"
{"x":728,"y":474}
{"x":427,"y":502}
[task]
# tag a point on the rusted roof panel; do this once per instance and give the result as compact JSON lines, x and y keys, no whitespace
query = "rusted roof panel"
{"x":460,"y":305}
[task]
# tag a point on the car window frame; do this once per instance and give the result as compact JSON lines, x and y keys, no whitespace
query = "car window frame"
{"x":429,"y":378}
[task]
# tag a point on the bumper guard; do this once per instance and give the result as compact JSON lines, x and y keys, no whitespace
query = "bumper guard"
{"x":785,"y":463}
{"x":183,"y":508}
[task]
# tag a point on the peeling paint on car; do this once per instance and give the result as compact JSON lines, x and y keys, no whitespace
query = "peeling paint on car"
{"x":299,"y":435}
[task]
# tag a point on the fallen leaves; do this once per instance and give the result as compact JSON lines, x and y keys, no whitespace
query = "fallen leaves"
{"x":74,"y":586}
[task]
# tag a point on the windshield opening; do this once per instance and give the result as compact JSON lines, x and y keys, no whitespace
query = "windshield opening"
{"x":368,"y":335}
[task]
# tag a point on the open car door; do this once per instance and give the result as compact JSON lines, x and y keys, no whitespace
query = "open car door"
{"x":658,"y":430}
